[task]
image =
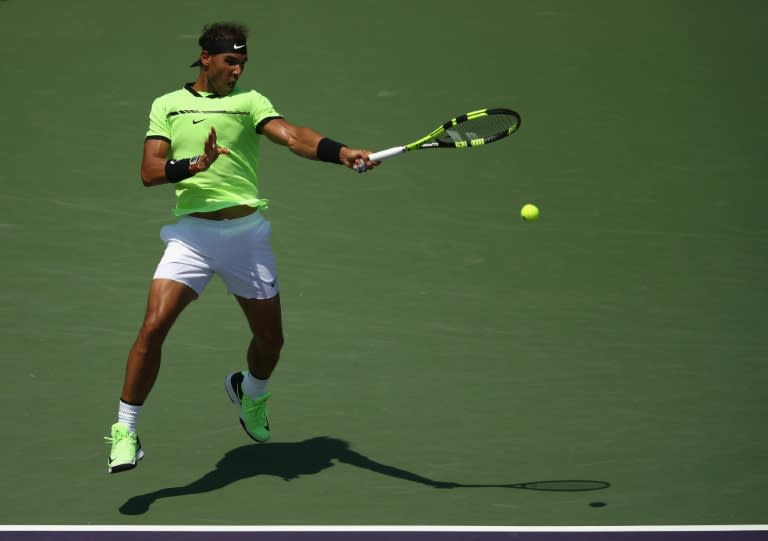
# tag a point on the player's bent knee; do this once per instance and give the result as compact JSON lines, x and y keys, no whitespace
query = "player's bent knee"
{"x":154,"y":330}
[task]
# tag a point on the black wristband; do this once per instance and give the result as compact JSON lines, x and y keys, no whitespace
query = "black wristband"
{"x":328,"y":150}
{"x":177,"y":170}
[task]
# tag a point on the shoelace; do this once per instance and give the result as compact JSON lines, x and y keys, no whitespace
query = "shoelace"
{"x":117,"y":439}
{"x":258,"y":410}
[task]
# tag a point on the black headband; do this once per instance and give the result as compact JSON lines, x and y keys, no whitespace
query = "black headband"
{"x":217,"y":46}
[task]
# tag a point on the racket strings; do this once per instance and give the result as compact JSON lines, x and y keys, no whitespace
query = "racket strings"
{"x":483,"y":127}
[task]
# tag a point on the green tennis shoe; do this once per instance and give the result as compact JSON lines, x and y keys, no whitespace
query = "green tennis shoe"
{"x":253,"y":412}
{"x":126,"y":449}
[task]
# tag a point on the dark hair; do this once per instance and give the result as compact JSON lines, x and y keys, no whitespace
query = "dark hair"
{"x":220,"y":31}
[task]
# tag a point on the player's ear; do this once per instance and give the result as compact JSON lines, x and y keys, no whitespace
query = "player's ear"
{"x":205,"y":58}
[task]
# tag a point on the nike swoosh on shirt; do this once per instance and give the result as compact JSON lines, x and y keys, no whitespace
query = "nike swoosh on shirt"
{"x":198,"y":121}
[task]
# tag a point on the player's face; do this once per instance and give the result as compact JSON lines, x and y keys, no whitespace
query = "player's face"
{"x":224,"y":70}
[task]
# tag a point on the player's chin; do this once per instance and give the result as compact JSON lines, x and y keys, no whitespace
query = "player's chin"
{"x":227,"y":88}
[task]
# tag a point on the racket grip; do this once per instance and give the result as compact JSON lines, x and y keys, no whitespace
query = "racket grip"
{"x":387,"y":153}
{"x":381,"y":155}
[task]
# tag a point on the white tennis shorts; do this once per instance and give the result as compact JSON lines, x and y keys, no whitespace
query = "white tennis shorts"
{"x":239,"y":251}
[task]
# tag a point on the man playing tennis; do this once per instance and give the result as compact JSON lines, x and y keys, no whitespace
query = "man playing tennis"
{"x":204,"y":139}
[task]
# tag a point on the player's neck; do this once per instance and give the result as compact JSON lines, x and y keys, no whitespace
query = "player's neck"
{"x":201,"y":85}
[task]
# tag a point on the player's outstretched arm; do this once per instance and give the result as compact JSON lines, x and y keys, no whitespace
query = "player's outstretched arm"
{"x":308,"y":143}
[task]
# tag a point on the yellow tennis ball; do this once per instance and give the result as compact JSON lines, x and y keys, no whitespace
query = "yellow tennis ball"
{"x":530,"y":213}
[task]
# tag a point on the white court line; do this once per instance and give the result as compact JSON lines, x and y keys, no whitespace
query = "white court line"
{"x":224,"y":529}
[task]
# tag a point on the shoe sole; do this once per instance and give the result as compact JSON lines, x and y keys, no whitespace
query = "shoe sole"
{"x":236,"y":400}
{"x":129,"y":466}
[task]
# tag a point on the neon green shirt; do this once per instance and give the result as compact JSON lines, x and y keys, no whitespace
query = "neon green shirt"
{"x":184,"y":118}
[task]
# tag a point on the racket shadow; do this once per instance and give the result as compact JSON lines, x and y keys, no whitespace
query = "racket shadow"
{"x":292,"y":460}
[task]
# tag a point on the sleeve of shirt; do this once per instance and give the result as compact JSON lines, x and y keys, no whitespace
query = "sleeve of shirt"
{"x":262,"y":110}
{"x":159,"y":127}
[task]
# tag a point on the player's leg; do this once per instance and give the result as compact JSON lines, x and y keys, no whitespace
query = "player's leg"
{"x":181,"y":276}
{"x":166,"y":300}
{"x":248,"y":388}
{"x":251,"y":277}
{"x":265,"y":321}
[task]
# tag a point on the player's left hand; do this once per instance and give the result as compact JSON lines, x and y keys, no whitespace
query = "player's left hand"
{"x":211,"y":152}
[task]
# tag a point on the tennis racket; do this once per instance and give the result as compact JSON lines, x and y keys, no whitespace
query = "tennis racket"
{"x":465,"y":131}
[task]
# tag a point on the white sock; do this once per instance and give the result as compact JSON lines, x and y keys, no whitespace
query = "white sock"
{"x":253,"y":386}
{"x":128,"y":414}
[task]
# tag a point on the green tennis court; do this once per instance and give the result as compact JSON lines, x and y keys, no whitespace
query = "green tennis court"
{"x":434,"y":339}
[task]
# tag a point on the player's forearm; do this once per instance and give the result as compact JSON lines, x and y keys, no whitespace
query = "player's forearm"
{"x":308,"y":143}
{"x":153,"y":173}
{"x":303,"y":142}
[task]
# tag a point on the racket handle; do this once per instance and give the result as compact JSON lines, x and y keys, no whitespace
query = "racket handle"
{"x":388,"y":153}
{"x":381,"y":155}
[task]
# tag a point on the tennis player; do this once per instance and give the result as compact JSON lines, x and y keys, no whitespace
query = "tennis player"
{"x":204,"y":139}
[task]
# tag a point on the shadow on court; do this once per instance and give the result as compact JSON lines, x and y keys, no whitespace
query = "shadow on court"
{"x":309,"y":457}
